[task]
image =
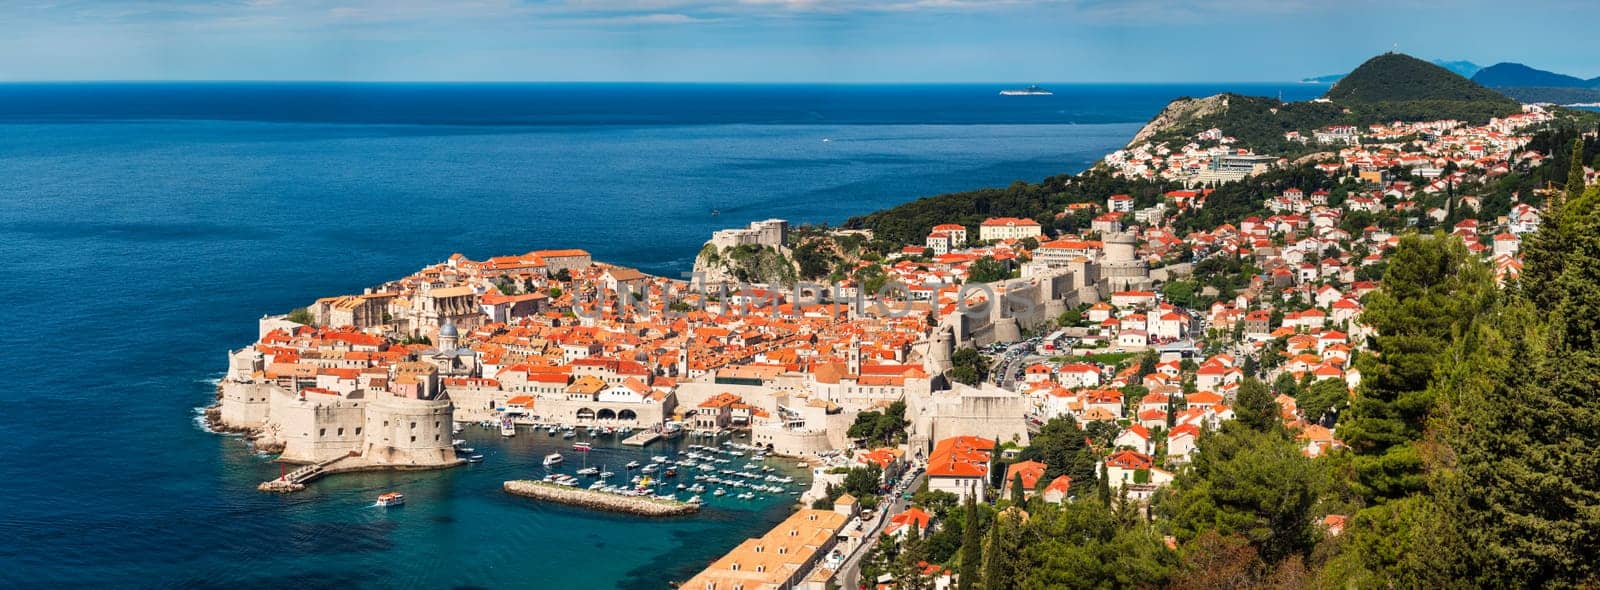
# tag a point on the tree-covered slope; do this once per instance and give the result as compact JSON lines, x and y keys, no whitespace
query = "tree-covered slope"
{"x":1398,"y":86}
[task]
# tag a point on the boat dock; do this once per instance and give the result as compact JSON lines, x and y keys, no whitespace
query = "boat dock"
{"x":642,"y":438}
{"x":296,"y":480}
{"x":597,"y":500}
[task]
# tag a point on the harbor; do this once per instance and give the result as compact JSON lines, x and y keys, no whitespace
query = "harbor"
{"x":642,"y":505}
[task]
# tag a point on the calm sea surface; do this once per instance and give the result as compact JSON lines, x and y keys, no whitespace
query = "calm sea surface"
{"x":143,"y":228}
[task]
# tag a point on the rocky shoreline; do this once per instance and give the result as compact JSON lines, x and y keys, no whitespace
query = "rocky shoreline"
{"x":639,"y":505}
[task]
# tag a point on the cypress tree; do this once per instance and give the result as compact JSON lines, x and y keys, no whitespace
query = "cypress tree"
{"x":997,"y":473}
{"x":1018,"y":498}
{"x":1522,"y":427}
{"x":1104,"y":488}
{"x":994,"y":578}
{"x":1575,"y":170}
{"x":971,"y":546}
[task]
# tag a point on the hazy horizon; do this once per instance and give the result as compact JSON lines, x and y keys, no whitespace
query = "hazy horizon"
{"x":766,"y":41}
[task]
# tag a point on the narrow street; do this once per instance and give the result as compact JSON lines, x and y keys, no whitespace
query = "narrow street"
{"x":850,"y":572}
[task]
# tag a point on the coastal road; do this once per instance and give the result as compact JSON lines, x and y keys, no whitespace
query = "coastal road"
{"x":849,"y":575}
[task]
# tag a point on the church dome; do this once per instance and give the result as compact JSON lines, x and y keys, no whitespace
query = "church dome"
{"x":448,"y":330}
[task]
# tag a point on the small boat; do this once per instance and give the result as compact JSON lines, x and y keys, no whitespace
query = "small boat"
{"x":474,"y":458}
{"x":589,"y":471}
{"x":455,"y":428}
{"x":552,"y":459}
{"x":720,"y":492}
{"x":651,"y":468}
{"x":671,"y":473}
{"x":606,"y":474}
{"x":391,"y":499}
{"x":457,"y":442}
{"x":632,"y":465}
{"x":582,"y":446}
{"x":569,"y":434}
{"x":658,"y":459}
{"x":465,"y":450}
{"x":508,"y":429}
{"x":695,"y":500}
{"x":682,"y":487}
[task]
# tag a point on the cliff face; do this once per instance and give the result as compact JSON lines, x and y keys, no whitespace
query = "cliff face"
{"x":1179,"y":112}
{"x":745,"y":264}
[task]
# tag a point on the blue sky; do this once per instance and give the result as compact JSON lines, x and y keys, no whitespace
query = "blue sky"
{"x":773,"y":40}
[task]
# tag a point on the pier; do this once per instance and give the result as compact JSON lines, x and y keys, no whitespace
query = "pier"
{"x":296,"y":480}
{"x":640,"y":505}
{"x":642,"y":438}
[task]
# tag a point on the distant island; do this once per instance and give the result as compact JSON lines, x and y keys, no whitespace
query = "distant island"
{"x":1529,"y":84}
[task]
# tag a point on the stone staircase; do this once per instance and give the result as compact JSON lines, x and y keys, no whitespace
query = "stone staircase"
{"x":296,"y":480}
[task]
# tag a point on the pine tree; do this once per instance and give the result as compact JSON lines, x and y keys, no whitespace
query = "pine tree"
{"x":1545,"y":253}
{"x":971,"y":546}
{"x":1432,"y":289}
{"x":1249,"y":482}
{"x":907,"y":569}
{"x":1255,"y":406}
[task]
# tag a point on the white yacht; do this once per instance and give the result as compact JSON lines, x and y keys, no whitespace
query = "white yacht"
{"x":1029,"y":91}
{"x":552,"y":459}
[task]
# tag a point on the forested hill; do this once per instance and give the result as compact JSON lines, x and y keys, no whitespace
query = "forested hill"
{"x":1398,"y":86}
{"x":1385,"y":88}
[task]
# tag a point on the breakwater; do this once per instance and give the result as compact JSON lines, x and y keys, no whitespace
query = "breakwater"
{"x":640,"y":505}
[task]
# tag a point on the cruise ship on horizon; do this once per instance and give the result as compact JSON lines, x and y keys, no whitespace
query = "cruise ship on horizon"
{"x":1029,"y":91}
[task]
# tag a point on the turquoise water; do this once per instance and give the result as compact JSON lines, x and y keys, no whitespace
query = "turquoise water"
{"x":477,"y":536}
{"x":143,"y":227}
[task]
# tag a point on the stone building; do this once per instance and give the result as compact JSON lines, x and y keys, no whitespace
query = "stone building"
{"x":406,"y":425}
{"x":770,"y":233}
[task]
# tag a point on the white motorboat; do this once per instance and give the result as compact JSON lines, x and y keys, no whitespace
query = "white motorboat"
{"x":553,"y":459}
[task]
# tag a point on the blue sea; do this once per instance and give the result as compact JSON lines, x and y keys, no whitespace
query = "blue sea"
{"x":144,"y":227}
